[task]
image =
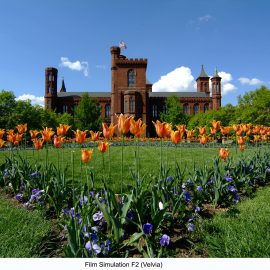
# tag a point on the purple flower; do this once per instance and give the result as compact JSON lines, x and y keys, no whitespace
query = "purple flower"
{"x":199,"y":188}
{"x":96,"y":248}
{"x":130,"y":215}
{"x":169,"y":178}
{"x":107,"y":245}
{"x":35,"y":191}
{"x":98,"y":216}
{"x":6,"y":174}
{"x":164,"y":240}
{"x":34,"y":175}
{"x":88,"y":246}
{"x":19,"y":197}
{"x":197,"y":209}
{"x":228,"y":178}
{"x":191,"y":227}
{"x":187,"y":197}
{"x":147,"y":228}
{"x":93,"y":237}
{"x":211,"y":181}
{"x":91,"y":194}
{"x":66,"y":212}
{"x":231,"y":188}
{"x":236,"y":197}
{"x":83,"y":200}
{"x":94,"y":229}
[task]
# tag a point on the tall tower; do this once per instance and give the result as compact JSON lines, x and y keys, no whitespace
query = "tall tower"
{"x":50,"y":88}
{"x":203,"y":82}
{"x":216,"y":90}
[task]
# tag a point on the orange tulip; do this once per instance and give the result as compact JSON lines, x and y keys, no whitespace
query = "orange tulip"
{"x":2,"y":143}
{"x":236,"y":127}
{"x":168,"y":129}
{"x":204,"y":139}
{"x":223,"y":153}
{"x":190,"y":134}
{"x":34,"y":133}
{"x":80,"y":136}
{"x":181,"y":128}
{"x":256,"y":129}
{"x":213,"y":130}
{"x":22,"y":128}
{"x":123,"y":123}
{"x":241,"y":140}
{"x":264,"y":137}
{"x":225,"y":130}
{"x":103,"y":147}
{"x":46,"y":134}
{"x":176,"y":136}
{"x":38,"y":143}
{"x":161,"y":129}
{"x":216,"y":125}
{"x":108,"y":132}
{"x":256,"y":138}
{"x":95,"y":135}
{"x":58,"y":141}
{"x":15,"y":138}
{"x":202,"y":130}
{"x":263,"y":131}
{"x":62,"y":129}
{"x":2,"y":132}
{"x":137,"y":128}
{"x":10,"y":132}
{"x":86,"y":155}
{"x":242,"y":147}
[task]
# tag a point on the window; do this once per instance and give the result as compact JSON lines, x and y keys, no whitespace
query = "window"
{"x":51,"y":78}
{"x":206,"y":107}
{"x":217,"y":88}
{"x":65,"y":108}
{"x":196,"y":108}
{"x":107,"y":110}
{"x":185,"y":108}
{"x":154,"y":112}
{"x":131,"y":78}
{"x":205,"y":87}
{"x":131,"y":104}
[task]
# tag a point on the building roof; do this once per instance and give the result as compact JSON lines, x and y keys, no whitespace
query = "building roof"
{"x":91,"y":94}
{"x":216,"y":74}
{"x":178,"y":94}
{"x":203,"y":73}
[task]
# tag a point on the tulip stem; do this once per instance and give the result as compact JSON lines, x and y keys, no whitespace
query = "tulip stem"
{"x":122,"y":161}
{"x":103,"y":162}
{"x":72,"y":168}
{"x":160,"y":158}
{"x":109,"y":163}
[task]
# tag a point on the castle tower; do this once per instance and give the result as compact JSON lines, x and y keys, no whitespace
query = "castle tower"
{"x":63,"y":87}
{"x":50,"y":88}
{"x":216,"y":90}
{"x":129,"y":86}
{"x":203,"y":82}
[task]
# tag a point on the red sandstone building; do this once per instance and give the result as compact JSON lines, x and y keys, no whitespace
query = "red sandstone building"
{"x":131,"y":93}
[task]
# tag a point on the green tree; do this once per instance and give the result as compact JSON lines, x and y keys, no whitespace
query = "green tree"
{"x":7,"y":108}
{"x":174,"y":114}
{"x":87,"y":114}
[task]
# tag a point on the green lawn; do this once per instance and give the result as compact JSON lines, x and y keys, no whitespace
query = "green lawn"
{"x":21,"y":231}
{"x":242,"y":232}
{"x":149,"y":160}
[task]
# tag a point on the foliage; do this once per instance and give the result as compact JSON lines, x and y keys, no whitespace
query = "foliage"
{"x":174,"y":114}
{"x":87,"y":114}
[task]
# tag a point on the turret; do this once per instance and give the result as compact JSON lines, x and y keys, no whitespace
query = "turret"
{"x":216,"y":90}
{"x":203,"y":82}
{"x":50,"y":88}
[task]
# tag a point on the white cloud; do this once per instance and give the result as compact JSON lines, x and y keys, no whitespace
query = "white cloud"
{"x":248,"y":81}
{"x":205,"y":19}
{"x":34,"y":100}
{"x":77,"y":65}
{"x":226,"y":85}
{"x":177,"y":80}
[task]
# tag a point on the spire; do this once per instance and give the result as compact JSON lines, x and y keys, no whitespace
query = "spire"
{"x":216,"y":74}
{"x":203,"y":73}
{"x":63,"y":87}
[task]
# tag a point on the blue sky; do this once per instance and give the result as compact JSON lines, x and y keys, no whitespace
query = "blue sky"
{"x":176,"y":36}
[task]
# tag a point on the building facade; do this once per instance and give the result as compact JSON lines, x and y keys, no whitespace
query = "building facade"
{"x":131,"y":93}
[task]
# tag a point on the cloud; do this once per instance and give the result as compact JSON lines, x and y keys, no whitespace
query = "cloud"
{"x":248,"y":81}
{"x":101,"y":66}
{"x":199,"y":22}
{"x":77,"y":65}
{"x":205,"y":19}
{"x":177,"y":80}
{"x":33,"y":99}
{"x":226,"y":85}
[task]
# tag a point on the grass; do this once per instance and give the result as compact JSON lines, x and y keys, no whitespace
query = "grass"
{"x":242,"y":232}
{"x":149,"y":156}
{"x":21,"y":231}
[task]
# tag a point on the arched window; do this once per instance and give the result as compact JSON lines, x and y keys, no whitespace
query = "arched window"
{"x":131,"y":78}
{"x":132,"y":104}
{"x":217,"y":88}
{"x":205,"y":87}
{"x":154,"y":112}
{"x":196,"y":108}
{"x":65,"y":108}
{"x":185,"y":108}
{"x":206,"y":107}
{"x":107,"y":110}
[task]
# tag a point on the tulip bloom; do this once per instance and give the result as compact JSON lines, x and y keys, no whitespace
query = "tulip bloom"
{"x":58,"y":141}
{"x":95,"y":135}
{"x":22,"y":128}
{"x":103,"y":147}
{"x":34,"y":133}
{"x":80,"y":136}
{"x":123,"y":124}
{"x":190,"y":134}
{"x":181,"y":128}
{"x":46,"y":134}
{"x":38,"y":143}
{"x":216,"y":125}
{"x":108,"y":132}
{"x":242,"y":147}
{"x":213,"y":130}
{"x":2,"y":132}
{"x":225,"y":130}
{"x":202,"y":130}
{"x":86,"y":155}
{"x":62,"y":129}
{"x":176,"y":136}
{"x":223,"y":153}
{"x":137,"y":128}
{"x":203,"y":139}
{"x":2,"y":143}
{"x":241,"y":140}
{"x":256,"y":138}
{"x":162,"y":129}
